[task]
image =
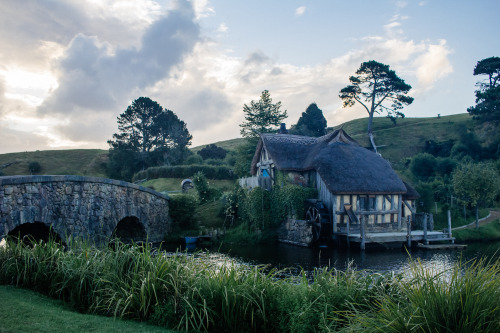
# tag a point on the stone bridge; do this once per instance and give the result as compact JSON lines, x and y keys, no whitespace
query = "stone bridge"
{"x":82,"y":207}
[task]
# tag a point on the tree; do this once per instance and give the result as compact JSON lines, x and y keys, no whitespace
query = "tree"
{"x":149,"y":135}
{"x":212,"y":151}
{"x":477,"y":184}
{"x":378,"y":89}
{"x":488,"y":95}
{"x":311,"y":122}
{"x":262,"y":116}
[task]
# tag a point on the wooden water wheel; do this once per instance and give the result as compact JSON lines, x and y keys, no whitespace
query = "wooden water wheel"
{"x":319,"y":217}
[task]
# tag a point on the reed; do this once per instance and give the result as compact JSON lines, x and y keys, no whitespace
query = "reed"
{"x":196,"y":292}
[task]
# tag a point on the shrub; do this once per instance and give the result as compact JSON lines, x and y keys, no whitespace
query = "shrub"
{"x":186,"y":171}
{"x":182,"y":210}
{"x":423,"y":165}
{"x":34,"y":167}
{"x":193,"y":159}
{"x":212,"y":151}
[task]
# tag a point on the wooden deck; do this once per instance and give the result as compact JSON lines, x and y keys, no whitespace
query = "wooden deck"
{"x":395,"y":237}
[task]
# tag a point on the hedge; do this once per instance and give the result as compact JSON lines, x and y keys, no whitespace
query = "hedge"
{"x":186,"y":171}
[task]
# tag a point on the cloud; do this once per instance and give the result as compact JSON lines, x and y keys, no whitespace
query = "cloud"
{"x":96,"y":78}
{"x":433,"y":64}
{"x":300,"y":11}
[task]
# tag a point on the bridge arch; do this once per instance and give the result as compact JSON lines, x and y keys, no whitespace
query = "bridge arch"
{"x":83,"y":207}
{"x":37,"y":231}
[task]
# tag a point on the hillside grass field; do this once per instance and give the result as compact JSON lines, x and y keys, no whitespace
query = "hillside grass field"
{"x":396,"y":144}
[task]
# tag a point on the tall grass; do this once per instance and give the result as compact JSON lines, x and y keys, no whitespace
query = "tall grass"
{"x":198,"y":293}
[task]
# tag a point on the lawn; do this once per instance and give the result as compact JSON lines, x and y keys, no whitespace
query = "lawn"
{"x":27,"y":311}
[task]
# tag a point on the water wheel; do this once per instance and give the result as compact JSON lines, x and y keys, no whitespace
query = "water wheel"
{"x":313,"y":215}
{"x":319,"y":217}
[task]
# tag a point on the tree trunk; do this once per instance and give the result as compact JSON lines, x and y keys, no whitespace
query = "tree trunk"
{"x":370,"y":134}
{"x":477,"y":217}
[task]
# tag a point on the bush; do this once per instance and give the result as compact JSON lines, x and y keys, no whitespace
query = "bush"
{"x":205,"y":192}
{"x":212,"y":151}
{"x":186,"y":171}
{"x":423,"y":166}
{"x":182,"y":210}
{"x":34,"y":167}
{"x":193,"y":159}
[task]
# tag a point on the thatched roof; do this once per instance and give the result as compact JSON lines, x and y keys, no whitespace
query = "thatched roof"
{"x":344,"y":166}
{"x":411,"y":193}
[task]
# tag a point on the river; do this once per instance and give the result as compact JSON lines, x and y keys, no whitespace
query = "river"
{"x":283,"y":256}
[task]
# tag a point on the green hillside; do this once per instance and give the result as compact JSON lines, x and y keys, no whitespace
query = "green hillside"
{"x":81,"y":162}
{"x":396,"y":144}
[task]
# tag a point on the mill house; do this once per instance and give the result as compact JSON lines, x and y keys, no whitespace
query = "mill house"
{"x":360,"y":199}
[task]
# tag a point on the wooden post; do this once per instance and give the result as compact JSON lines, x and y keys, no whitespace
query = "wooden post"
{"x":449,"y":225}
{"x":425,"y":230}
{"x":400,"y":207}
{"x":348,"y":232}
{"x":362,"y":229}
{"x":408,"y":232}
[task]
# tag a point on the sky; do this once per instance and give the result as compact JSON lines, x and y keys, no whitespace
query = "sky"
{"x":69,"y":68}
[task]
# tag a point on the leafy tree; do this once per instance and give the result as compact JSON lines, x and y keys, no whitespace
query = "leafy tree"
{"x":212,"y":151}
{"x":488,"y":95}
{"x":311,"y":122}
{"x":423,"y":166}
{"x":262,"y":116}
{"x":149,"y":136}
{"x":378,"y":89}
{"x":477,"y":184}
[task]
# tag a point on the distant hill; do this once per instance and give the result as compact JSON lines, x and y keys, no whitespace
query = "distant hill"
{"x":396,"y":144}
{"x":81,"y":162}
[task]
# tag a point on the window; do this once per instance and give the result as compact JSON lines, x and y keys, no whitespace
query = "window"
{"x":367,"y":202}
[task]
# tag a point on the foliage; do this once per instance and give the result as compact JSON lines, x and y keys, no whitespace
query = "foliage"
{"x":186,"y":171}
{"x":378,"y":89}
{"x":438,"y":149}
{"x":205,"y":192}
{"x":267,"y":209}
{"x":149,"y":135}
{"x":476,"y":183}
{"x":488,"y":95}
{"x":457,"y":300}
{"x":182,"y":209}
{"x":311,"y":122}
{"x":244,"y":156}
{"x":262,"y":116}
{"x":212,"y":151}
{"x":423,"y":165}
{"x":34,"y":167}
{"x":194,"y":293}
{"x":193,"y":159}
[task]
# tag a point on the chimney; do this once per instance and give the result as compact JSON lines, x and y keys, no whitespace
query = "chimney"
{"x":283,"y":129}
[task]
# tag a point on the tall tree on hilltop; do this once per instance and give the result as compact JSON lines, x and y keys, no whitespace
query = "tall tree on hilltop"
{"x":378,"y":89}
{"x":262,"y":116}
{"x":149,"y":135}
{"x":488,"y":95}
{"x":311,"y":122}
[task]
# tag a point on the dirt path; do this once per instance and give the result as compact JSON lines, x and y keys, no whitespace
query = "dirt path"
{"x":494,"y":215}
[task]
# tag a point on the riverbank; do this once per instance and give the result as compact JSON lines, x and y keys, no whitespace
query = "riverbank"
{"x":489,"y":230}
{"x":194,"y":292}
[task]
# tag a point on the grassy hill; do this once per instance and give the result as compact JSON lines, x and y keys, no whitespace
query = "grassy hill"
{"x":396,"y":144}
{"x":81,"y":162}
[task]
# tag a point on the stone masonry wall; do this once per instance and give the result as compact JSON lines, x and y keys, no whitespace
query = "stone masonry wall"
{"x":296,"y":232}
{"x":86,"y":207}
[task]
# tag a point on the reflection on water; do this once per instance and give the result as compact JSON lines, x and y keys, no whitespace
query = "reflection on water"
{"x":283,"y":256}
